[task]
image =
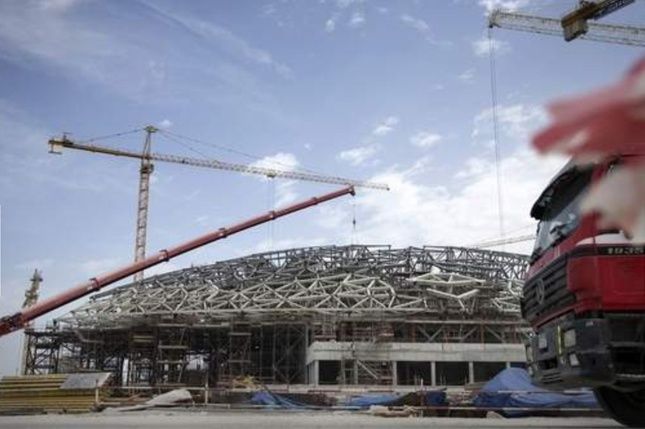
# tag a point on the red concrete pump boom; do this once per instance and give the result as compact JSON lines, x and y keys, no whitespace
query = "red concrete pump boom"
{"x":17,"y":321}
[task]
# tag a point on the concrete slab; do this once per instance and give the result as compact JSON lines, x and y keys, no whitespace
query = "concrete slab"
{"x":417,"y":352}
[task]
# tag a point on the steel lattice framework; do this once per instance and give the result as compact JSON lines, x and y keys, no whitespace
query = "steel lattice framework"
{"x":346,"y":283}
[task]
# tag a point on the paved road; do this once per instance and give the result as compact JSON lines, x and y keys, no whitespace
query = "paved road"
{"x":282,"y":420}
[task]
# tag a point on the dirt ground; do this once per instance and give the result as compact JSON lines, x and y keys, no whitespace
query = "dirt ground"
{"x":159,"y":419}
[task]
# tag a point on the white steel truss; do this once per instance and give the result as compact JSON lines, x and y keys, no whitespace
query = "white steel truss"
{"x":348,"y":283}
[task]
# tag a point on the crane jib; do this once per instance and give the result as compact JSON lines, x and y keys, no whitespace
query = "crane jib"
{"x":57,"y":144}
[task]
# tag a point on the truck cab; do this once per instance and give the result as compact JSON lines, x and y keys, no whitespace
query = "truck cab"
{"x":584,"y":296}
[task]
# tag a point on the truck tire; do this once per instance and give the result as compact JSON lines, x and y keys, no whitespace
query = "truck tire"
{"x":627,"y":408}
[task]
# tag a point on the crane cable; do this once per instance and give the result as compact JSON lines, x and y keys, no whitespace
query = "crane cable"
{"x":181,"y":140}
{"x":187,"y":146}
{"x":238,"y":152}
{"x":493,"y":91}
{"x":271,"y":203}
{"x":109,"y":136}
{"x":353,"y":234}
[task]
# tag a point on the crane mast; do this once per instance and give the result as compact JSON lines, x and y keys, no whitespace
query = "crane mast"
{"x":31,"y":297}
{"x":145,"y":171}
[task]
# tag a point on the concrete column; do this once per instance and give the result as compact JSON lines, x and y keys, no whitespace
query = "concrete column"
{"x":395,"y":378}
{"x":433,"y":373}
{"x":315,"y":372}
{"x":355,"y":371}
{"x":471,"y":372}
{"x":508,"y":364}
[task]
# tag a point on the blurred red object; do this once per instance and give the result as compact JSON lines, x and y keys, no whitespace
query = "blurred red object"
{"x":604,"y":122}
{"x":610,"y":121}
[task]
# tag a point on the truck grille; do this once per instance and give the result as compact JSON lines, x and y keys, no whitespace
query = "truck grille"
{"x":547,"y":291}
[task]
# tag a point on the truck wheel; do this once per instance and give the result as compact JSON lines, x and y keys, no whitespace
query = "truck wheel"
{"x":624,"y":407}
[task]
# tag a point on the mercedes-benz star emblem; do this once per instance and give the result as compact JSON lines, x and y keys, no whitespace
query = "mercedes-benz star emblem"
{"x":539,"y":291}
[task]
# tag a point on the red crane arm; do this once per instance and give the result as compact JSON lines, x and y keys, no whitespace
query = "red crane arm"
{"x":17,"y":321}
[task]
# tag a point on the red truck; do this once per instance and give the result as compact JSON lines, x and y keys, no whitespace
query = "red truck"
{"x":584,"y":297}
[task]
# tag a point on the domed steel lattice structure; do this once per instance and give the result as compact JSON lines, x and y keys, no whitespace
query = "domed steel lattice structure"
{"x":265,"y":315}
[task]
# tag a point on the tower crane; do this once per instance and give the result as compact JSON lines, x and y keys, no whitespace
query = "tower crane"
{"x":31,"y":297}
{"x":32,"y":293}
{"x":56,"y":145}
{"x":572,"y":26}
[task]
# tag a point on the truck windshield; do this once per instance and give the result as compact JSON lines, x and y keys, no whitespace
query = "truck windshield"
{"x":561,"y":215}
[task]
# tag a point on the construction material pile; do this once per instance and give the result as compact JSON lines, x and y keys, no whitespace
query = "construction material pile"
{"x":54,"y":393}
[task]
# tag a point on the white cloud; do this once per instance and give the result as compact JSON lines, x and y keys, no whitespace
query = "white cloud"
{"x":192,"y":195}
{"x":483,"y":46}
{"x":467,"y":76}
{"x":386,"y":126}
{"x":474,"y":167}
{"x":202,"y":220}
{"x":35,"y":264}
{"x":330,"y":25}
{"x":510,"y":5}
{"x":280,"y":161}
{"x":356,"y":20}
{"x":28,"y":33}
{"x":382,"y":10}
{"x":94,"y":267}
{"x":164,"y":267}
{"x":58,"y":5}
{"x":361,"y":154}
{"x":358,"y":155}
{"x":418,"y":24}
{"x":425,"y":139}
{"x":417,"y":213}
{"x":423,"y":28}
{"x":344,"y":4}
{"x":516,"y":122}
{"x":33,"y":36}
{"x":25,"y":163}
{"x":166,"y":123}
{"x":228,"y":40}
{"x":284,"y":189}
{"x":352,"y":12}
{"x":268,"y":245}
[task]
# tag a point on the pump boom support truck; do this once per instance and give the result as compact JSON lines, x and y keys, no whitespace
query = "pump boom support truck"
{"x":584,"y":297}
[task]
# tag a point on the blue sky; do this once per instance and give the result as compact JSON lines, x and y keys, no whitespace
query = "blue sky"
{"x":389,"y":91}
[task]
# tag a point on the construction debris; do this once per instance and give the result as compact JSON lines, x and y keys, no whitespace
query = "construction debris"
{"x":174,"y":398}
{"x":383,"y":411}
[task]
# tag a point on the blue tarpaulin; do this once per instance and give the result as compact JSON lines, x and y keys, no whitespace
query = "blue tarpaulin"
{"x":365,"y":401}
{"x":497,"y":393}
{"x":435,"y":398}
{"x":273,"y":399}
